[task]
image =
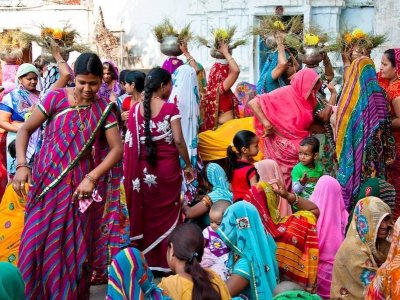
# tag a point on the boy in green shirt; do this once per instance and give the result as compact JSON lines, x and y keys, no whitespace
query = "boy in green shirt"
{"x":307,"y":172}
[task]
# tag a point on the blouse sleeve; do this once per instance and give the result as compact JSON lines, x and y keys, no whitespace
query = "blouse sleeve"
{"x":6,"y":104}
{"x":175,"y":114}
{"x":242,"y":268}
{"x":111,"y":121}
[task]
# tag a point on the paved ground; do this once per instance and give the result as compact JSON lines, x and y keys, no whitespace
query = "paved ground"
{"x":98,"y":292}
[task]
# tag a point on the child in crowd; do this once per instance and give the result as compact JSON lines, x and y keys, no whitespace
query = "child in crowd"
{"x":131,"y":278}
{"x":216,"y":253}
{"x":307,"y":172}
{"x":240,"y":169}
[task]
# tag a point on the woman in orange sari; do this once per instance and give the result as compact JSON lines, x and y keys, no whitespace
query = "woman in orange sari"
{"x":389,"y":80}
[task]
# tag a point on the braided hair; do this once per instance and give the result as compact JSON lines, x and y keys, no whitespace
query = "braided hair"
{"x":154,"y":79}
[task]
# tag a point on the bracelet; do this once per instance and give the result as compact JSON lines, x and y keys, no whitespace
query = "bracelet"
{"x":61,"y":61}
{"x":94,"y":181}
{"x":187,"y":168}
{"x":190,"y":59}
{"x":23,"y":165}
{"x":296,"y":200}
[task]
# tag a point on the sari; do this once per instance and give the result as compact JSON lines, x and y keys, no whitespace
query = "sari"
{"x":213,"y":143}
{"x":364,"y":142}
{"x":11,"y":283}
{"x":244,"y":92}
{"x":253,"y":250}
{"x":12,"y":209}
{"x":3,"y":163}
{"x":220,"y":185}
{"x":185,"y":95}
{"x":270,"y":172}
{"x":171,"y":64}
{"x":386,"y":283}
{"x":266,"y":83}
{"x":295,"y":236}
{"x":216,"y":100}
{"x":296,"y":295}
{"x":331,"y":225}
{"x":152,"y":191}
{"x":290,"y":111}
{"x":392,"y":91}
{"x":104,"y":91}
{"x":358,"y":257}
{"x":57,"y":244}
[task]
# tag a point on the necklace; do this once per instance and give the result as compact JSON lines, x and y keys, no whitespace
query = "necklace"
{"x":82,"y":125}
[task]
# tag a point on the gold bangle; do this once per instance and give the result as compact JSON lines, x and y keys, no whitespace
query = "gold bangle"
{"x":90,"y":178}
{"x":61,"y":61}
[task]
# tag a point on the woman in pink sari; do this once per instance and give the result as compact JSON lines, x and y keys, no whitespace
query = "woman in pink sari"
{"x":331,"y":227}
{"x":283,"y":119}
{"x":152,"y":170}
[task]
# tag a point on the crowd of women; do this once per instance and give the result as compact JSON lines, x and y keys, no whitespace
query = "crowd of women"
{"x":110,"y":177}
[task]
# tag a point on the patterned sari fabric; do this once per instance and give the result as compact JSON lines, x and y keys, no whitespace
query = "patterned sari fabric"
{"x":364,"y":143}
{"x":266,"y":83}
{"x":392,"y":91}
{"x":171,"y":64}
{"x":295,"y":236}
{"x":152,"y":190}
{"x":3,"y":163}
{"x":185,"y":96}
{"x":131,"y":278}
{"x":245,"y":92}
{"x":386,"y":284}
{"x":57,"y":241}
{"x":12,"y":209}
{"x":216,"y":100}
{"x":331,"y":225}
{"x":242,"y":231}
{"x":358,"y":257}
{"x":290,"y":111}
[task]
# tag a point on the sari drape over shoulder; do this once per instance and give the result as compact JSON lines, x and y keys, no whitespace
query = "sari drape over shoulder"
{"x":364,"y":142}
{"x":295,"y":236}
{"x":57,"y":241}
{"x":290,"y":111}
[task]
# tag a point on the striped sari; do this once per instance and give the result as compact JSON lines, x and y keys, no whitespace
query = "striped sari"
{"x":364,"y":143}
{"x":57,"y":241}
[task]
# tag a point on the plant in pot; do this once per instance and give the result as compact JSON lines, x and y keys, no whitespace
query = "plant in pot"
{"x":170,"y":38}
{"x":221,"y":35}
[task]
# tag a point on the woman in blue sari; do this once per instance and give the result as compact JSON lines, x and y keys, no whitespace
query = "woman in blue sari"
{"x":252,"y":260}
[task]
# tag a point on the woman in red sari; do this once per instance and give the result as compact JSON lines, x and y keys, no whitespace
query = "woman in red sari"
{"x":389,"y":80}
{"x":219,"y":104}
{"x":152,"y":171}
{"x":283,"y":119}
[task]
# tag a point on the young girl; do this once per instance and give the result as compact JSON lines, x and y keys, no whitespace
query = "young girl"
{"x":240,"y":169}
{"x":134,"y":86}
{"x":130,"y":277}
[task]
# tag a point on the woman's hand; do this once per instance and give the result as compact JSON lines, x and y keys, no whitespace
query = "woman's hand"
{"x":331,"y":87}
{"x":280,"y":189}
{"x":22,"y":176}
{"x":124,"y":116}
{"x":183,"y":47}
{"x":113,"y":97}
{"x":84,"y":190}
{"x":224,"y":48}
{"x":268,"y":128}
{"x":189,"y":174}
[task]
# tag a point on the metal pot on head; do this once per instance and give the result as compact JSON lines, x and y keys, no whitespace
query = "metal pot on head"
{"x":218,"y":55}
{"x":311,"y":55}
{"x":270,"y":42}
{"x":170,"y":46}
{"x":48,"y":57}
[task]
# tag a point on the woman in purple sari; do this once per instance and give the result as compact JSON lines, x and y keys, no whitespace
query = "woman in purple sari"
{"x":56,"y":250}
{"x":152,"y":171}
{"x":110,"y":88}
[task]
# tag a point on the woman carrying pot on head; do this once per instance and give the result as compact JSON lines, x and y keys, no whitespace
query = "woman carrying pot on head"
{"x":219,"y":103}
{"x":16,"y":105}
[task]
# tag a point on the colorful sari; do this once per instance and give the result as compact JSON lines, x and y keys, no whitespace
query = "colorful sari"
{"x":253,"y":250}
{"x":295,"y":236}
{"x":57,"y":244}
{"x":106,"y":92}
{"x":12,"y":209}
{"x":290,"y":111}
{"x":11,"y":283}
{"x":185,"y":96}
{"x":244,"y":92}
{"x":364,"y":142}
{"x":270,"y":172}
{"x":266,"y":83}
{"x":152,"y":191}
{"x":220,"y":185}
{"x":3,"y":163}
{"x":392,"y":91}
{"x":171,"y":64}
{"x":358,"y":257}
{"x":216,"y":100}
{"x":331,"y":226}
{"x":386,"y":283}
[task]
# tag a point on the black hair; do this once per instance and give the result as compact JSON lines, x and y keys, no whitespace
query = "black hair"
{"x":188,"y":244}
{"x":110,"y":68}
{"x":137,"y":78}
{"x":12,"y":150}
{"x":391,"y":55}
{"x":242,"y":138}
{"x":122,"y":75}
{"x":311,"y":141}
{"x":153,"y":82}
{"x":88,"y":63}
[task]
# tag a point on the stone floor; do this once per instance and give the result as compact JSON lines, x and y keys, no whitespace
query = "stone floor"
{"x":98,"y":292}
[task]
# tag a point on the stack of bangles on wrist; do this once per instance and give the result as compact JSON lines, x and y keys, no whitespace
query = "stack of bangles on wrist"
{"x":188,"y":169}
{"x":23,"y":165}
{"x":90,"y":178}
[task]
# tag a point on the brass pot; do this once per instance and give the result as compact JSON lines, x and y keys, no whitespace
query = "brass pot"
{"x":170,"y":46}
{"x":11,"y":58}
{"x":311,"y":55}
